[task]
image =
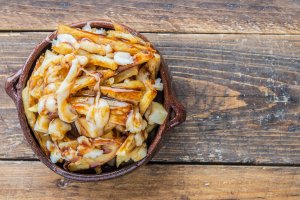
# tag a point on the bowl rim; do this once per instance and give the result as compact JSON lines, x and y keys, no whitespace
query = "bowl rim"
{"x":16,"y":83}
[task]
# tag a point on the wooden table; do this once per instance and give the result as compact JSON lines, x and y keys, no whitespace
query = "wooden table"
{"x":236,"y":68}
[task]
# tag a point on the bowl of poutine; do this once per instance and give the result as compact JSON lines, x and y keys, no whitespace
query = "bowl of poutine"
{"x":94,"y":100}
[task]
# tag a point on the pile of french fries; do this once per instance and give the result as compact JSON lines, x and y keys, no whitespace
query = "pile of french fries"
{"x":90,"y":99}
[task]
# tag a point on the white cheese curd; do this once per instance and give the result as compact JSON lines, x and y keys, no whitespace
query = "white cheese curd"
{"x":123,"y":58}
{"x":50,"y":88}
{"x":55,"y":156}
{"x":47,"y":104}
{"x":93,"y":154}
{"x":135,"y":122}
{"x":100,"y":31}
{"x":65,"y":38}
{"x":70,"y":154}
{"x":58,"y":129}
{"x":108,"y":48}
{"x":88,"y":28}
{"x":158,"y":85}
{"x":82,"y":139}
{"x":51,"y":104}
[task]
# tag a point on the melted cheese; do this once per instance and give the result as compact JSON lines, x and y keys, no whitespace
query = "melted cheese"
{"x":93,"y":153}
{"x":123,"y":58}
{"x":135,"y":122}
{"x":67,"y":38}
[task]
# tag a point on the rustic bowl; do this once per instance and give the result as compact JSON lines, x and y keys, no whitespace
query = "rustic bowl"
{"x":16,"y":83}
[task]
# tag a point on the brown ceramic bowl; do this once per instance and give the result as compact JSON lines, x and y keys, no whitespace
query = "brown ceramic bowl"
{"x":16,"y":83}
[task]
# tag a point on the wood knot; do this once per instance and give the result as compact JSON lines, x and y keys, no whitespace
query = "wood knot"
{"x":63,"y":183}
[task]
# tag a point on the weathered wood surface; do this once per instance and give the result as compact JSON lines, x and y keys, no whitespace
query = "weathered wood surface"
{"x":196,"y":16}
{"x":241,"y":93}
{"x":32,"y":180}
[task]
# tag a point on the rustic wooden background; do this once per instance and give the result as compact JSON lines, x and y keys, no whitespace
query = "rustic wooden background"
{"x":236,"y":68}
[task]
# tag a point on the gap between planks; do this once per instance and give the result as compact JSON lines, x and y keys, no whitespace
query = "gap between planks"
{"x":154,"y":32}
{"x":181,"y":163}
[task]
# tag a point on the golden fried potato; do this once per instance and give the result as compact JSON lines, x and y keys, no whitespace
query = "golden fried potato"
{"x":97,"y":160}
{"x":82,"y":82}
{"x":78,"y":34}
{"x":91,"y":47}
{"x":153,"y":66}
{"x":125,"y":36}
{"x":134,"y":85}
{"x":63,"y":48}
{"x":122,"y":94}
{"x":132,"y":71}
{"x":148,"y":97}
{"x":103,"y":62}
{"x":31,"y":117}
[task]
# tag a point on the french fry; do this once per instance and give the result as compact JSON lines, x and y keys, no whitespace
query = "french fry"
{"x":109,"y":127}
{"x":42,"y":124}
{"x":50,"y":59}
{"x":63,"y":48}
{"x":42,"y":140}
{"x":82,"y":52}
{"x":122,"y":46}
{"x":85,"y":93}
{"x":39,"y":63}
{"x":92,"y":47}
{"x":122,"y":94}
{"x":139,"y":153}
{"x":142,"y":57}
{"x":82,"y":82}
{"x":109,"y":135}
{"x":78,"y":34}
{"x":31,"y":117}
{"x":125,"y":36}
{"x":133,"y":71}
{"x":153,"y":66}
{"x":103,"y":62}
{"x":119,"y":27}
{"x":146,"y":47}
{"x":134,"y":85}
{"x":147,"y":98}
{"x":106,"y":73}
{"x":135,"y":153}
{"x":82,"y":100}
{"x":86,"y":128}
{"x":118,"y":115}
{"x":86,"y":163}
{"x":58,"y":129}
{"x":82,"y":104}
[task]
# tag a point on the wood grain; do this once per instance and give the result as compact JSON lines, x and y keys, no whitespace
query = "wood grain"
{"x":32,"y":180}
{"x":195,"y":16}
{"x":241,"y":93}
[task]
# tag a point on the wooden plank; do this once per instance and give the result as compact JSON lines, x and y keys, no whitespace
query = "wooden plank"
{"x":241,"y":93}
{"x":32,"y":180}
{"x":195,"y":16}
